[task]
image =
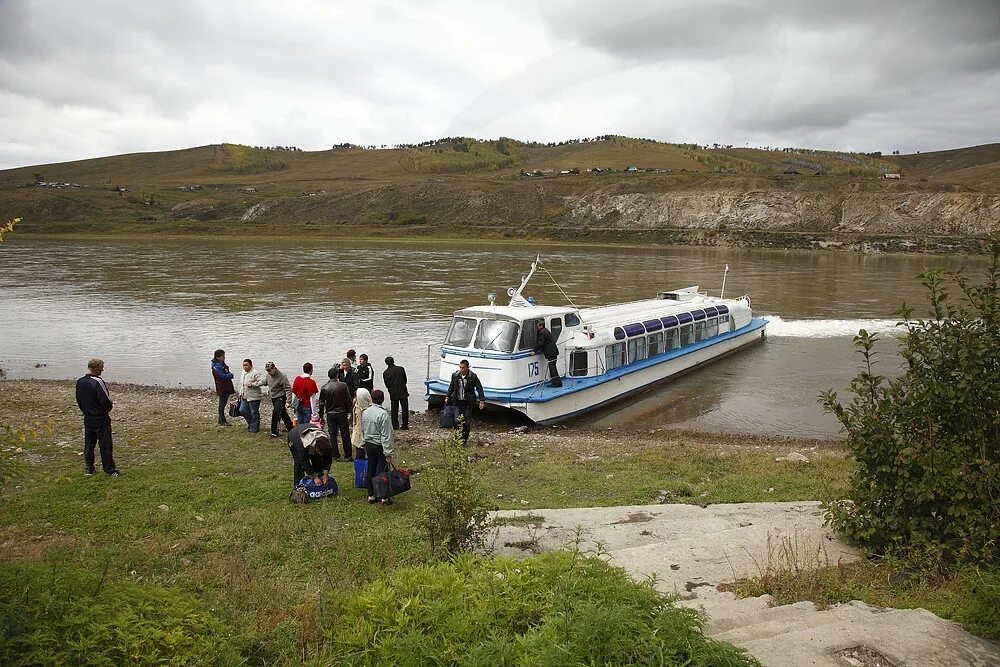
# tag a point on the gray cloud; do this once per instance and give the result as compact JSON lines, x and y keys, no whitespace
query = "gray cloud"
{"x":108,"y":76}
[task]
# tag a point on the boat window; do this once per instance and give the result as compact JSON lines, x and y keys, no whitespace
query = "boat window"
{"x":555,"y":326}
{"x":686,"y":335}
{"x":712,"y":328}
{"x":529,"y":335}
{"x":723,"y":319}
{"x":699,"y":330}
{"x":577,"y":362}
{"x":637,"y":349}
{"x":461,"y":331}
{"x":635,"y":329}
{"x":655,"y":344}
{"x":496,"y":335}
{"x":614,"y":356}
{"x":671,"y":340}
{"x":572,"y":320}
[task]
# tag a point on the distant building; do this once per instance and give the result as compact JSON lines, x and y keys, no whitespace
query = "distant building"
{"x":250,"y":190}
{"x":892,"y":176}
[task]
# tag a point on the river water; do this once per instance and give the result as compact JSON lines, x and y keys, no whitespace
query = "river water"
{"x":155,"y":311}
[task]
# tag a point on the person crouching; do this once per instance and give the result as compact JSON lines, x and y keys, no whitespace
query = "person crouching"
{"x":312,"y":454}
{"x":376,"y":434}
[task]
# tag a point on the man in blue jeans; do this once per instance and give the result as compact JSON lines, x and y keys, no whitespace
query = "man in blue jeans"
{"x":250,"y":396}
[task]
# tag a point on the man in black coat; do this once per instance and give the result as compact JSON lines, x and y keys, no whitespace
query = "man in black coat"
{"x":394,"y":378}
{"x":347,"y":375}
{"x":95,"y":403}
{"x":311,"y":452}
{"x":334,"y":406}
{"x":462,"y":392}
{"x":546,"y":344}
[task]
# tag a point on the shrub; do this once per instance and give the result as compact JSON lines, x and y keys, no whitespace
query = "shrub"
{"x":554,"y":609}
{"x":53,"y":617}
{"x":456,"y":517}
{"x":927,"y":444}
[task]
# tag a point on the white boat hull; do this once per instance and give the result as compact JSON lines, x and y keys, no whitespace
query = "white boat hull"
{"x":569,"y":405}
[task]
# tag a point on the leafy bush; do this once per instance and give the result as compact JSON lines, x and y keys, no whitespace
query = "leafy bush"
{"x":927,"y":444}
{"x":456,"y":517}
{"x":554,"y":609}
{"x":52,"y":617}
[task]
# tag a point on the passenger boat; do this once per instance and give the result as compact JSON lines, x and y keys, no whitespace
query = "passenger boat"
{"x":605,"y":354}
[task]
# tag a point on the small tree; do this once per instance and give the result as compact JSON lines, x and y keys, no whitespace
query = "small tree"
{"x":927,"y":444}
{"x":9,"y":436}
{"x":457,"y":515}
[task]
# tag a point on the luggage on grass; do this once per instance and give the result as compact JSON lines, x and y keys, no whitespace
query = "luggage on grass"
{"x":360,"y":472}
{"x":391,"y":483}
{"x":308,"y":490}
{"x":449,"y":415}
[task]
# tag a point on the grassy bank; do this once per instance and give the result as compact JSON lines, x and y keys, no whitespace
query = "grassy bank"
{"x":201,"y":521}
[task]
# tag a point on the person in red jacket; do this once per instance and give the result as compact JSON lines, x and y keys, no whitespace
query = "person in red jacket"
{"x":304,"y":389}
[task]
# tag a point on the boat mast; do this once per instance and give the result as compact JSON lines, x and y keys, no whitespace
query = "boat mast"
{"x":724,"y":274}
{"x":516,"y":299}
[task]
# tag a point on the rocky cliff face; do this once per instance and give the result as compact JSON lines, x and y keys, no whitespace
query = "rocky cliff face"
{"x":868,"y":213}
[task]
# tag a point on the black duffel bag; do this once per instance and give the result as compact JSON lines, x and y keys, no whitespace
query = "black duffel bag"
{"x":391,"y":483}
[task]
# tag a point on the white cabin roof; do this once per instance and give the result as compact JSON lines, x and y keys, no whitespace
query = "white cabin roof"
{"x":519,"y":313}
{"x":637,"y":311}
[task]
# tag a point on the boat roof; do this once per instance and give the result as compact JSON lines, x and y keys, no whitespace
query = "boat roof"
{"x":645,"y":309}
{"x":611,"y":315}
{"x":519,"y":313}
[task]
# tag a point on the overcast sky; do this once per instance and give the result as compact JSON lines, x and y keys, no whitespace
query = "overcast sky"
{"x":102,"y":77}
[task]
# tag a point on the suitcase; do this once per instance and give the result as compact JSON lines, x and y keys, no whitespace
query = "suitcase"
{"x":391,"y":483}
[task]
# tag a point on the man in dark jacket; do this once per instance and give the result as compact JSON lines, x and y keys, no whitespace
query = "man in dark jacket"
{"x":311,"y":452}
{"x":462,"y":392}
{"x":365,"y":373}
{"x":334,"y":406}
{"x":223,"y":383}
{"x":546,"y":344}
{"x":95,"y":403}
{"x":394,"y":378}
{"x":347,"y":375}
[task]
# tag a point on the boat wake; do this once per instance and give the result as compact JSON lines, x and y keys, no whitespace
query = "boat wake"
{"x":827,"y":328}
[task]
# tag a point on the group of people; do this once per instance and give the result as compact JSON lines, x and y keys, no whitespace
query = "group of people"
{"x":347,"y":407}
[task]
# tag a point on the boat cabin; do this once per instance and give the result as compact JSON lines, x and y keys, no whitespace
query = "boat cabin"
{"x":492,"y":337}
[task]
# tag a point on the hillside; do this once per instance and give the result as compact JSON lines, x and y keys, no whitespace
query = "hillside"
{"x":608,"y":189}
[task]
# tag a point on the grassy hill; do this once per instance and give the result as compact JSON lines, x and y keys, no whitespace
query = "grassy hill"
{"x":502,"y":187}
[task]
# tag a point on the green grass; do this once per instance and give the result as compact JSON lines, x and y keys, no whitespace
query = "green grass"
{"x":968,"y":595}
{"x":686,"y":473}
{"x":274,"y":576}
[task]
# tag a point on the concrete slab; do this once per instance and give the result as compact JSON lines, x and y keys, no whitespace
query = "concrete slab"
{"x":691,"y":550}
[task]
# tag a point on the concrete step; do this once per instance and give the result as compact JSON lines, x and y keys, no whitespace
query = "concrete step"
{"x":755,"y":618}
{"x":906,"y":637}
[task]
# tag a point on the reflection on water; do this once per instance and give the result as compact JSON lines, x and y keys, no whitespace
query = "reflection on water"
{"x":155,"y":311}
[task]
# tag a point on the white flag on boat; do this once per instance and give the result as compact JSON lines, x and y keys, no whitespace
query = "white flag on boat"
{"x":727,"y":268}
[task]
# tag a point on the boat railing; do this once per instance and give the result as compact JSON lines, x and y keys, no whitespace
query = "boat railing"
{"x":594,"y":370}
{"x":437,"y":370}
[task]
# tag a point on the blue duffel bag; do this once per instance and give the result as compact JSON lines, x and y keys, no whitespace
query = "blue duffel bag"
{"x":449,"y":415}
